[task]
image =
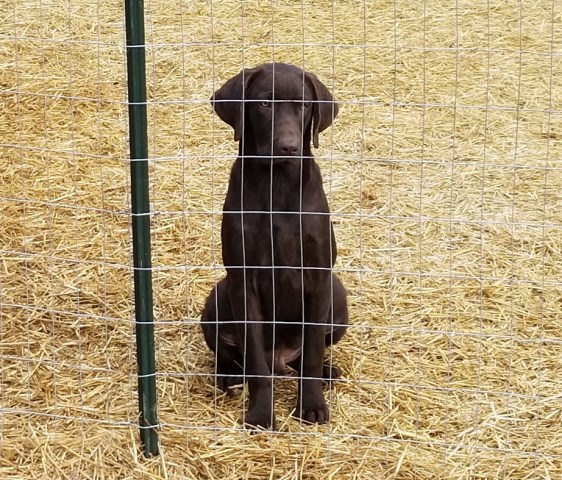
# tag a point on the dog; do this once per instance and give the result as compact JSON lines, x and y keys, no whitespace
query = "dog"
{"x":280,"y":304}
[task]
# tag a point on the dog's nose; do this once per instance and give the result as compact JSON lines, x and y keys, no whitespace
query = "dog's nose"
{"x":289,"y":146}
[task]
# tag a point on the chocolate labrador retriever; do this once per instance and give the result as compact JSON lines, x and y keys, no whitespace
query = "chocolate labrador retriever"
{"x":280,"y":304}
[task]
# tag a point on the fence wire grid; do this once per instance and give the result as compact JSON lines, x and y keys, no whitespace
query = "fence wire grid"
{"x":443,"y":171}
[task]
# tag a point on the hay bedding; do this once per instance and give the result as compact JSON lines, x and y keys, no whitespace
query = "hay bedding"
{"x":447,"y":215}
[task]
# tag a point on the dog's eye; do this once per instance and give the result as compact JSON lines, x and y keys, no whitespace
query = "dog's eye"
{"x":266,"y":104}
{"x":304,"y":105}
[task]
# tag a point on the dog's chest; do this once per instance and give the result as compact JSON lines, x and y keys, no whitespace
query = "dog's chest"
{"x":280,"y":239}
{"x":273,"y":221}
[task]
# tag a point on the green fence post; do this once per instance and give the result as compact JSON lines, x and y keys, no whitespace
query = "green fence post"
{"x":146,"y":364}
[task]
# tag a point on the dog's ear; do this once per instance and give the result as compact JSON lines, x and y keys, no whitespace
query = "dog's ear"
{"x":324,"y":109}
{"x":228,"y":101}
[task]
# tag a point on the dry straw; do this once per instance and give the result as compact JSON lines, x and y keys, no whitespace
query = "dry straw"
{"x":444,"y":174}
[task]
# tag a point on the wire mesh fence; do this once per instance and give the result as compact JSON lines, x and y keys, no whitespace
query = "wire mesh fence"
{"x":443,"y":173}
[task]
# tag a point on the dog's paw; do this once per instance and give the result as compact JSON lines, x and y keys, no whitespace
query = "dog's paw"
{"x":259,"y":419}
{"x":330,"y":372}
{"x":313,"y":411}
{"x":224,"y":382}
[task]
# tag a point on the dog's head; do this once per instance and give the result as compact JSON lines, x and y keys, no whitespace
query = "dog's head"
{"x":276,"y":108}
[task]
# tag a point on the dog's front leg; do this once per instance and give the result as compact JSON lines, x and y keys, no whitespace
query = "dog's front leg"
{"x":311,"y":405}
{"x":249,"y":323}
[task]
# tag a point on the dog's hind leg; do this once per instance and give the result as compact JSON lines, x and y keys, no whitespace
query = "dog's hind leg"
{"x":221,"y":337}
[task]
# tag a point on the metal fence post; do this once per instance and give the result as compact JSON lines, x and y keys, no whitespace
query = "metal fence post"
{"x":136,"y":78}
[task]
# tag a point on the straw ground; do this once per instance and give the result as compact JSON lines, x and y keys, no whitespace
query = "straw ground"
{"x":444,"y":174}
